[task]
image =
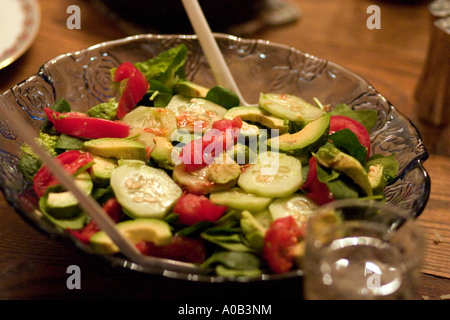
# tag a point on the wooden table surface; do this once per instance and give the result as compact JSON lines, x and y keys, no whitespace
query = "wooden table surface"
{"x":34,"y":265}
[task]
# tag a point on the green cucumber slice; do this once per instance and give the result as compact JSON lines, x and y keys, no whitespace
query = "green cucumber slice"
{"x":196,"y":114}
{"x":297,"y":205}
{"x":143,"y":191}
{"x":159,"y":121}
{"x":274,"y":175}
{"x":238,"y":199}
{"x":289,"y":107}
{"x":64,"y":205}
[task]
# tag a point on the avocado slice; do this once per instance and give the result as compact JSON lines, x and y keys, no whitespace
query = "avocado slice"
{"x":116,"y":148}
{"x":305,"y":141}
{"x":198,"y":181}
{"x":253,"y":230}
{"x":152,"y":230}
{"x":162,"y":153}
{"x":331,"y":157}
{"x":190,"y":89}
{"x":377,"y":178}
{"x":258,"y":115}
{"x":101,"y":170}
{"x":223,"y":97}
{"x":223,"y":170}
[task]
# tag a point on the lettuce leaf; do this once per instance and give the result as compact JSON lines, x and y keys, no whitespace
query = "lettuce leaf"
{"x":346,"y":141}
{"x":166,"y":67}
{"x":367,"y":117}
{"x":390,"y":165}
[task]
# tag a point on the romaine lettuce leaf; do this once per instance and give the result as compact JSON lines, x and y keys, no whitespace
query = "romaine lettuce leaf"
{"x":166,"y":67}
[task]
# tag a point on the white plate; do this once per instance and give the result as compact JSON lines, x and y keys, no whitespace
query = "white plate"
{"x":19,"y":24}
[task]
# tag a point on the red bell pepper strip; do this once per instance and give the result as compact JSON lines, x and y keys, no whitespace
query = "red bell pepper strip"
{"x":81,"y":125}
{"x":72,"y":161}
{"x":135,"y":88}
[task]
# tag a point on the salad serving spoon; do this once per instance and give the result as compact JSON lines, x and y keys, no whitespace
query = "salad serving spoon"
{"x":87,"y":203}
{"x":92,"y":207}
{"x":210,"y":48}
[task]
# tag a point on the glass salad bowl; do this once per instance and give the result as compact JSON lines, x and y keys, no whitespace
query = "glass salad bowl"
{"x":83,"y":78}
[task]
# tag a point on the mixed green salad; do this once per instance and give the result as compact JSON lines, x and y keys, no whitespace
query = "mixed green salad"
{"x":188,"y":173}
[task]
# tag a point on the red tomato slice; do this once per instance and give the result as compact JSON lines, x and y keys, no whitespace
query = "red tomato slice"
{"x":111,"y":208}
{"x":135,"y":88}
{"x":192,"y":155}
{"x":72,"y":161}
{"x":343,"y":122}
{"x":227,"y":124}
{"x":81,"y":125}
{"x":201,"y":152}
{"x":281,"y":237}
{"x":124,"y":71}
{"x":193,"y":208}
{"x":316,"y":190}
{"x":85,"y":234}
{"x":181,"y":249}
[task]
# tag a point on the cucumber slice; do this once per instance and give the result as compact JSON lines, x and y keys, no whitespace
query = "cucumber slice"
{"x":197,"y":114}
{"x":289,"y":107}
{"x":274,"y":175}
{"x":159,"y":121}
{"x":64,"y":205}
{"x":297,"y":205}
{"x":143,"y":191}
{"x":238,"y":199}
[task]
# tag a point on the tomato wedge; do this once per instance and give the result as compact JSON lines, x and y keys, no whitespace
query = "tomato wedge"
{"x":135,"y":89}
{"x":343,"y":122}
{"x":72,"y":161}
{"x":193,"y":208}
{"x":281,"y":237}
{"x":81,"y":125}
{"x":316,"y":190}
{"x":181,"y":249}
{"x":112,"y":208}
{"x":202,"y":151}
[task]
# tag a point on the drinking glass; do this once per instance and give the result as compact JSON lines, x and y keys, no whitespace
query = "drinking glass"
{"x":361,"y":250}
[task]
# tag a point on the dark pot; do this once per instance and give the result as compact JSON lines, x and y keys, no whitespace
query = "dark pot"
{"x":168,"y":16}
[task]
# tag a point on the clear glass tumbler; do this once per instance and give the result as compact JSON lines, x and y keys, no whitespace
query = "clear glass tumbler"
{"x":361,"y":250}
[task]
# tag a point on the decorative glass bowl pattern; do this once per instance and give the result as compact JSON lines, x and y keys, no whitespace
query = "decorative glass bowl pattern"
{"x":83,"y":78}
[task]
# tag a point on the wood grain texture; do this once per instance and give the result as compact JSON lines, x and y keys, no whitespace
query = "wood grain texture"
{"x":436,"y":218}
